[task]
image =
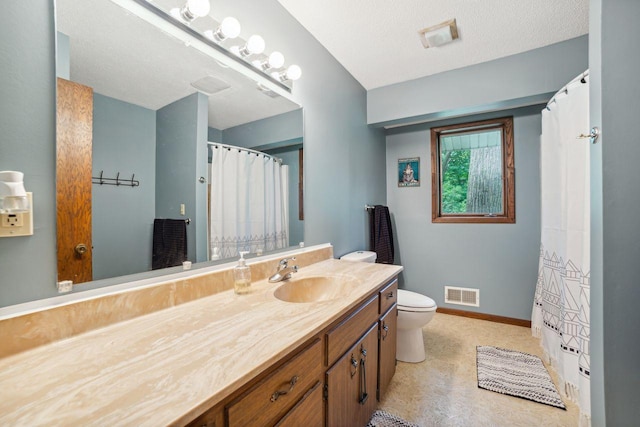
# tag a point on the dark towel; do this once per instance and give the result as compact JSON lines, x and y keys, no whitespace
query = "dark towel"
{"x":169,"y":243}
{"x":380,"y":234}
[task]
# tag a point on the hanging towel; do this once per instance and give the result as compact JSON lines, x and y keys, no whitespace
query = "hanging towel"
{"x":380,"y":234}
{"x":169,"y":243}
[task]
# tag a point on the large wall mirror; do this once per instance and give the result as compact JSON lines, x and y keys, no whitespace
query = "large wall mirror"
{"x":156,"y":103}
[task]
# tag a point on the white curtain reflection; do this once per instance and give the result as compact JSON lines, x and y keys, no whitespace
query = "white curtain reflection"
{"x":248,"y":203}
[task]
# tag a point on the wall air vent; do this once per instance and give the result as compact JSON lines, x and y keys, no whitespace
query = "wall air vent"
{"x":462,"y":296}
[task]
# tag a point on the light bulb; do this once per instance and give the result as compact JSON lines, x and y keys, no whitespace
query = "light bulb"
{"x":199,"y":8}
{"x":255,"y":45}
{"x":230,"y":27}
{"x":193,"y":9}
{"x":293,"y":72}
{"x":276,"y":60}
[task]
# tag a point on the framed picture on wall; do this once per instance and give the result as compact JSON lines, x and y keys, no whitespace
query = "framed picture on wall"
{"x":409,"y":172}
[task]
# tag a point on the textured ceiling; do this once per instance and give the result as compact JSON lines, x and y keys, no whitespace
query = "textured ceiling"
{"x":119,"y":55}
{"x":377,"y":40}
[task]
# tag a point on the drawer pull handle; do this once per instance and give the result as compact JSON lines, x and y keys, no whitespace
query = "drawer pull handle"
{"x":390,"y":295}
{"x":279,"y":393}
{"x":363,"y":382}
{"x":386,"y":331}
{"x":354,"y":366}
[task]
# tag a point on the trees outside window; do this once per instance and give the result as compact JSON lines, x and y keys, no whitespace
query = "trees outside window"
{"x":473,"y":172}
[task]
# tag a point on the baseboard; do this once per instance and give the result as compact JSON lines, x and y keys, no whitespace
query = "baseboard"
{"x":482,"y":316}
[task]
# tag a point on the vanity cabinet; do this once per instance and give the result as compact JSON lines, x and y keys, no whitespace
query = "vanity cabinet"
{"x":335,"y":379}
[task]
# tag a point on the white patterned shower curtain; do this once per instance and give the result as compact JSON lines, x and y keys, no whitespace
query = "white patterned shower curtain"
{"x":248,"y":203}
{"x":560,"y":316}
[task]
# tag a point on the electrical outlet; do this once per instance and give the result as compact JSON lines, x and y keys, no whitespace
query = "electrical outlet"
{"x":18,"y":223}
{"x":65,"y":286}
{"x":12,"y":220}
{"x":182,"y":209}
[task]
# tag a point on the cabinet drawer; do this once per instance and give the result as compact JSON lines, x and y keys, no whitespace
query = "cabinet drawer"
{"x":308,"y":412}
{"x":342,"y":337}
{"x":388,"y":296}
{"x":276,"y":394}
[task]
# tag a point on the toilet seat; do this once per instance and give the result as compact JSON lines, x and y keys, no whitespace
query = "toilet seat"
{"x":413,"y":301}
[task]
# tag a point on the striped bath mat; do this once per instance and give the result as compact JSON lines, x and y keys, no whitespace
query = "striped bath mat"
{"x":516,"y":374}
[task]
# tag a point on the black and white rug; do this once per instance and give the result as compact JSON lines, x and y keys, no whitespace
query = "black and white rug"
{"x":385,"y":419}
{"x":516,"y":374}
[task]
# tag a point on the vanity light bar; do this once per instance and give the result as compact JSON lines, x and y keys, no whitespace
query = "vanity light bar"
{"x":249,"y":53}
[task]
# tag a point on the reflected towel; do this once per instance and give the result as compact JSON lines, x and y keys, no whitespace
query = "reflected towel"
{"x":169,"y":243}
{"x":381,"y":234}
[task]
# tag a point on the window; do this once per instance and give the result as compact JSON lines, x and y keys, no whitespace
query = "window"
{"x":473,"y":173}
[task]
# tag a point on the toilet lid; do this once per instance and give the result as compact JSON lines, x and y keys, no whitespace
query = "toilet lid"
{"x":414,"y":301}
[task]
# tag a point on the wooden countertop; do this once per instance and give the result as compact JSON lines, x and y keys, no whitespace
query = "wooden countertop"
{"x":169,"y":366}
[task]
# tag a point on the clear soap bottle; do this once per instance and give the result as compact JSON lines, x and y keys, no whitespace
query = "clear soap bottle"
{"x":242,"y":276}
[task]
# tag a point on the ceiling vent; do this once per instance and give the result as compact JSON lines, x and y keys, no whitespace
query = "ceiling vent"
{"x":210,"y":85}
{"x":439,"y":35}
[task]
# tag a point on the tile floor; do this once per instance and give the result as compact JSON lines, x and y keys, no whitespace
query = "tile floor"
{"x":443,"y":390}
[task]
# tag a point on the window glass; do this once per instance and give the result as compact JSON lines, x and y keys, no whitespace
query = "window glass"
{"x":473,"y":170}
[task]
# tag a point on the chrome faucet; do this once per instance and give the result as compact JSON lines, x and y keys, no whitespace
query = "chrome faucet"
{"x":284,"y":271}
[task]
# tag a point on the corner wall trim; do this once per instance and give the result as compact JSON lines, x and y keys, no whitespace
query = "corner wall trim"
{"x":489,"y":317}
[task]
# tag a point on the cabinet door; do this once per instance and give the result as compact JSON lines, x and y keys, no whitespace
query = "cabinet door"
{"x":388,"y":338}
{"x":351,"y":383}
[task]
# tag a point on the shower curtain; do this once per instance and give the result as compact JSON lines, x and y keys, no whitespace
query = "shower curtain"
{"x":248,"y":203}
{"x":560,"y":316}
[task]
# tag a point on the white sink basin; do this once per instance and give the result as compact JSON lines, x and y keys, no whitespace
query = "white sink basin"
{"x":313,"y":289}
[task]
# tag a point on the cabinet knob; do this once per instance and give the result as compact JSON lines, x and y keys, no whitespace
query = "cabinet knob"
{"x":385,"y":328}
{"x":292,"y":384}
{"x":390,"y":295}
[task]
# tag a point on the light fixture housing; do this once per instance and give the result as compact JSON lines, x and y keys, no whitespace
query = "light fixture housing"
{"x":229,"y":28}
{"x":439,"y":35}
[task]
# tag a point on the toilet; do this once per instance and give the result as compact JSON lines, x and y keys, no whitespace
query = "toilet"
{"x":414,"y":312}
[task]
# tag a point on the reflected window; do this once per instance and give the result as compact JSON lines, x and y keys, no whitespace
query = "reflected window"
{"x":473,"y":172}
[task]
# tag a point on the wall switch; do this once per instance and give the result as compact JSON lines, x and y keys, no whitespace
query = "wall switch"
{"x":182,"y":210}
{"x":65,"y":286}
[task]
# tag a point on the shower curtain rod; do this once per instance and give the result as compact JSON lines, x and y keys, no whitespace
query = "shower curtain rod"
{"x":565,"y":88}
{"x":248,"y":150}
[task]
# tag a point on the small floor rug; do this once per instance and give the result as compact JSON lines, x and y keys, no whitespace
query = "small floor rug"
{"x":516,"y":374}
{"x":385,"y":419}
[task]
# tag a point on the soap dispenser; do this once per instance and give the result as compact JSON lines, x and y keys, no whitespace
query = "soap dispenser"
{"x":242,"y":276}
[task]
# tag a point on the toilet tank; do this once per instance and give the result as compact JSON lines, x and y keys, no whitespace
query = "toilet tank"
{"x":361,"y":256}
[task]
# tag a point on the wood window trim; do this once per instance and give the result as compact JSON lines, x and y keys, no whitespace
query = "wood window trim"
{"x":508,"y":175}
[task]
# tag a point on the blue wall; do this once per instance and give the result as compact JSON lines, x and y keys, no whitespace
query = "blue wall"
{"x":124,"y":140}
{"x":615,"y":317}
{"x":27,"y":144}
{"x":527,"y":78}
{"x":283,"y":127}
{"x":499,"y":259}
{"x":181,"y":158}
